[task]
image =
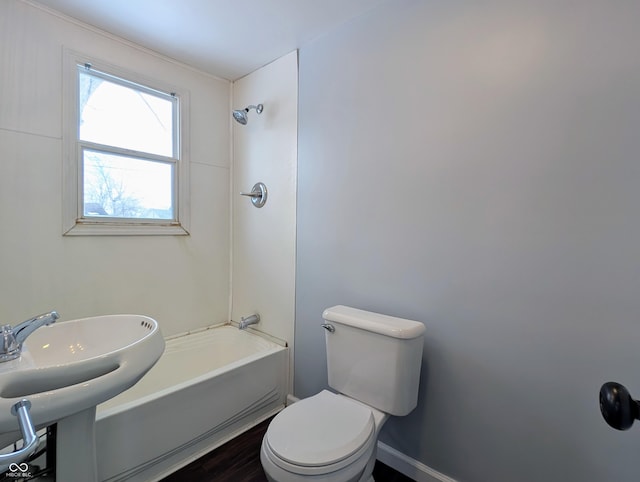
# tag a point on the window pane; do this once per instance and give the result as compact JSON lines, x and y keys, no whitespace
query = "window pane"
{"x":126,"y":187}
{"x":115,"y":115}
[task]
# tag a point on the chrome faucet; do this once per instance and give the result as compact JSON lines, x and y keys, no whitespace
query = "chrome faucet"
{"x":249,"y":320}
{"x":12,"y":338}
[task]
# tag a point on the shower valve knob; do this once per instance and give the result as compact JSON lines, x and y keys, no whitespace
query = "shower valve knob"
{"x":258,"y":194}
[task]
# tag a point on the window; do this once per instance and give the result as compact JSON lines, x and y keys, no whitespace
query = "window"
{"x":125,"y":168}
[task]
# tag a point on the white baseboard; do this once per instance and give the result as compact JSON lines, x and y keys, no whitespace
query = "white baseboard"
{"x":291,"y":399}
{"x":408,"y":466}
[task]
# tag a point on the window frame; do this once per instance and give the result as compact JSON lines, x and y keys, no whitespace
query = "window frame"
{"x":75,"y":223}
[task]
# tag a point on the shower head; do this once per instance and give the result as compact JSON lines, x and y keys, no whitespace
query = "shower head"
{"x":240,"y":115}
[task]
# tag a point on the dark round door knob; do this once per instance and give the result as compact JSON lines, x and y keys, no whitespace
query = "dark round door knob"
{"x":617,"y":407}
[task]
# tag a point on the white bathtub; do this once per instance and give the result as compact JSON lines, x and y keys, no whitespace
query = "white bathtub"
{"x":206,"y":388}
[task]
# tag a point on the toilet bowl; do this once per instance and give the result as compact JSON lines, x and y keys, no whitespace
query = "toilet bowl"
{"x":326,"y":437}
{"x":373,"y":363}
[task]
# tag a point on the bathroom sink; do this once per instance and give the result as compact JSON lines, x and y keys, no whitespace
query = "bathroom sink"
{"x":70,"y":366}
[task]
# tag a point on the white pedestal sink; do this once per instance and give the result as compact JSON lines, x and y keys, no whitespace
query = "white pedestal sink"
{"x":68,"y":368}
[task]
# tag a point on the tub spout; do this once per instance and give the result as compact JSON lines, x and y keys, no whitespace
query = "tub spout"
{"x":249,"y":320}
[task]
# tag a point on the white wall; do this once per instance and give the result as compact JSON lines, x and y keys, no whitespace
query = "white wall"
{"x":264,"y":239}
{"x":183,"y":282}
{"x":474,"y":165}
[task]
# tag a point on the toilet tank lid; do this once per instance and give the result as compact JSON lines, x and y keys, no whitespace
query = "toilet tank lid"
{"x":374,"y":322}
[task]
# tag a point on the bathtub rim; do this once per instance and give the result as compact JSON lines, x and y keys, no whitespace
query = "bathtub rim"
{"x":111,"y":411}
{"x":235,"y":324}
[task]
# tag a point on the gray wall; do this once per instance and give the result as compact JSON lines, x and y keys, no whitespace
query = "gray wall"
{"x":474,"y":165}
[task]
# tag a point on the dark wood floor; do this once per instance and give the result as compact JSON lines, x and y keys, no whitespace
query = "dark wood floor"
{"x":239,"y":461}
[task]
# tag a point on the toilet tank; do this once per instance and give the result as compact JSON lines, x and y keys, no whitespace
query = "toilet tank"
{"x":374,"y":358}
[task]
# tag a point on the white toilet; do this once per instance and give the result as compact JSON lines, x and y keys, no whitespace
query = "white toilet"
{"x":373,"y":362}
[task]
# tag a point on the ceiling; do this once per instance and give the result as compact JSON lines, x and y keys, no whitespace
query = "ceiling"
{"x":227,"y":38}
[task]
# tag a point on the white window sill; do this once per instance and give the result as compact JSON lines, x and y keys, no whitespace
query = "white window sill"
{"x":115,"y":229}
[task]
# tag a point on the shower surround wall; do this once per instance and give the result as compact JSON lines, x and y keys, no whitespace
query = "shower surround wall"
{"x":475,"y":165}
{"x":182,"y":281}
{"x":264,"y":244}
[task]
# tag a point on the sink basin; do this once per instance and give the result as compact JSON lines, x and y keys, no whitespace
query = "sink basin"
{"x":70,"y":366}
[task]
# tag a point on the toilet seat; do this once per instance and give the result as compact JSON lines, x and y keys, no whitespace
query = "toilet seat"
{"x":320,"y":434}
